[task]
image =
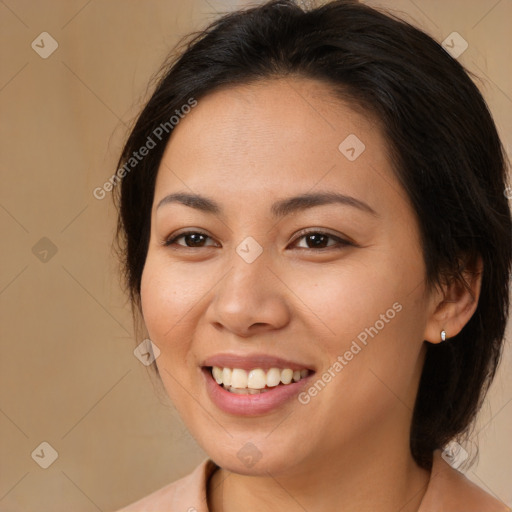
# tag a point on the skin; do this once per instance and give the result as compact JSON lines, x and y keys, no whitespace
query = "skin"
{"x":246,"y":147}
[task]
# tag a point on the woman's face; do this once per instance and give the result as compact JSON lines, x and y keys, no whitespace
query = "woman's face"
{"x":275,"y":282}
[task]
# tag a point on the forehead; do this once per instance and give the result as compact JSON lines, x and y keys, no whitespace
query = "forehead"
{"x":273,"y":137}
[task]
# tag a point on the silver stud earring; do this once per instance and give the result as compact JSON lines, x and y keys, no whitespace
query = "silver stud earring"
{"x":443,"y":335}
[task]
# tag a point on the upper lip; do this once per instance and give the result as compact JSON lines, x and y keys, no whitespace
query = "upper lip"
{"x":250,"y":362}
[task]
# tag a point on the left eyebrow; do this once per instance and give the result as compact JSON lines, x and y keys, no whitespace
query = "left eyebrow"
{"x":278,"y":209}
{"x":292,"y":204}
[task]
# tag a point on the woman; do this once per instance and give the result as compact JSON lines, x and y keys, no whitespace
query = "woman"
{"x":315,"y":230}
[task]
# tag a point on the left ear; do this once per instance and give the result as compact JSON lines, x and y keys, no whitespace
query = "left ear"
{"x":455,"y":303}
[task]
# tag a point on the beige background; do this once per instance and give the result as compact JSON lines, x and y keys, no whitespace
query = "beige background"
{"x":68,"y":373}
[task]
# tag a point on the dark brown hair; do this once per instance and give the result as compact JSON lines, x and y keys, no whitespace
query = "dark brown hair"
{"x":444,"y":145}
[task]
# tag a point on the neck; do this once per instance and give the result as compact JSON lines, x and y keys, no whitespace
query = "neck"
{"x":384,"y":477}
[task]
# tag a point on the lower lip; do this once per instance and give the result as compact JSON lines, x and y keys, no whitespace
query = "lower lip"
{"x":251,"y":405}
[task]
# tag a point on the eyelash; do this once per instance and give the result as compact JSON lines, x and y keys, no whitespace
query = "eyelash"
{"x":302,"y":234}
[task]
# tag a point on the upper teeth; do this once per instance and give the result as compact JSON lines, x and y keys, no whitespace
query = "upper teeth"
{"x":257,"y":378}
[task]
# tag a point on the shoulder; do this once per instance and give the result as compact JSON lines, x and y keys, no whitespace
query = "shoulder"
{"x":187,"y":494}
{"x":451,"y":491}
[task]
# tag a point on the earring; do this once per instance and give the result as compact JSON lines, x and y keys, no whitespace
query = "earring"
{"x":443,"y":335}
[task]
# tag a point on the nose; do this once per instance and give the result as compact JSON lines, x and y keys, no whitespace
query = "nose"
{"x":250,"y":299}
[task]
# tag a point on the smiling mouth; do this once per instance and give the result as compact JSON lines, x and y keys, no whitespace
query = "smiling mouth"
{"x":257,"y":380}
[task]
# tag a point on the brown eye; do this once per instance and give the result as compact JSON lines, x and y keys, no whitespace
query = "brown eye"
{"x":193,"y":239}
{"x":320,"y":240}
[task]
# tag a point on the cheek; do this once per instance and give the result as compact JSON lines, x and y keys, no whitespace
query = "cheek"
{"x":371,"y":313}
{"x":169,"y":297}
{"x":170,"y":300}
{"x":343,"y":301}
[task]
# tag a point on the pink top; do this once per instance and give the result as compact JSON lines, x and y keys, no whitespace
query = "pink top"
{"x":448,"y":491}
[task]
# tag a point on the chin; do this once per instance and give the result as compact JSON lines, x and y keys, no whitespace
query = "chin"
{"x":253,"y":458}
